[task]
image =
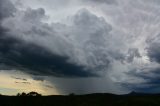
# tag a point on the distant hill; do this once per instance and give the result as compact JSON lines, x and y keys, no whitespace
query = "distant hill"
{"x":96,"y":99}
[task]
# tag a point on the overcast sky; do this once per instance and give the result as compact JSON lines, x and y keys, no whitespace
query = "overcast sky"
{"x":80,"y":46}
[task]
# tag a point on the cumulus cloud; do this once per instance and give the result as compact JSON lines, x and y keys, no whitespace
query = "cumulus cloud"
{"x":80,"y":42}
{"x":18,"y":52}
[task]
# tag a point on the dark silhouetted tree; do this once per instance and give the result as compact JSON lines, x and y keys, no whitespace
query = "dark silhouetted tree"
{"x":23,"y":94}
{"x":33,"y":94}
{"x":29,"y":94}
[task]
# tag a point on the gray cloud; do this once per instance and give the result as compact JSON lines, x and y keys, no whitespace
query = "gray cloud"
{"x":154,"y":52}
{"x":22,"y":55}
{"x":27,"y":56}
{"x":150,"y":79}
{"x":6,"y":9}
{"x":114,"y":41}
{"x":36,"y":60}
{"x":34,"y":15}
{"x":77,"y":50}
{"x":133,"y":53}
{"x":87,"y":85}
{"x":101,"y":1}
{"x":79,"y":44}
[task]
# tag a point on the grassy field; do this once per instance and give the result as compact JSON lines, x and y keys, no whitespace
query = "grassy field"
{"x":82,"y":100}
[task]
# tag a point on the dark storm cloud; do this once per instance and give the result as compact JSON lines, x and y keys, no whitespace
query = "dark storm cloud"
{"x":154,"y":78}
{"x":150,"y":74}
{"x":77,"y":45}
{"x":25,"y":56}
{"x":144,"y":87}
{"x":151,"y":80}
{"x":154,"y":52}
{"x":36,"y":60}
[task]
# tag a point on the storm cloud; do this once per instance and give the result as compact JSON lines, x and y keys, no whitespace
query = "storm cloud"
{"x":18,"y":55}
{"x":116,"y":42}
{"x":58,"y":40}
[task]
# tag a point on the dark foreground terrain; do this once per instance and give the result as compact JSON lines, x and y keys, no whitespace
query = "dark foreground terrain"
{"x":132,"y":99}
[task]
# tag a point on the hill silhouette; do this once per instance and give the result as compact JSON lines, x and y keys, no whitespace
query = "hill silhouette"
{"x":96,"y":99}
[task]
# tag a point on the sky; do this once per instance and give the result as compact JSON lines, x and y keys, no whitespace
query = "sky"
{"x":58,"y":47}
